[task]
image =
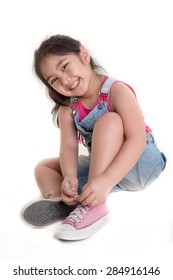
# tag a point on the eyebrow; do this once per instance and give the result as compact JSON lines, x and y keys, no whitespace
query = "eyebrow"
{"x":59,"y":63}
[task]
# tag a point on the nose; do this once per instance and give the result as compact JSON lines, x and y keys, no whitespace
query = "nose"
{"x":65,"y":80}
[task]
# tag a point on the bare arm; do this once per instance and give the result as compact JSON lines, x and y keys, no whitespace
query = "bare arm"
{"x":124,"y":103}
{"x":68,"y":153}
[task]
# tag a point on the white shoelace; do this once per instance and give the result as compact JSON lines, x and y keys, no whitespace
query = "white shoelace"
{"x":76,"y":215}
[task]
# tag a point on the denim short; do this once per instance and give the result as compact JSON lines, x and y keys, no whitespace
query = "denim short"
{"x":149,"y":166}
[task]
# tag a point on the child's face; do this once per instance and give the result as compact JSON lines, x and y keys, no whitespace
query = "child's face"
{"x":70,"y":74}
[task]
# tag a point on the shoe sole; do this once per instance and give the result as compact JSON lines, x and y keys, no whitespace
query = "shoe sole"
{"x":44,"y":212}
{"x":82,"y":233}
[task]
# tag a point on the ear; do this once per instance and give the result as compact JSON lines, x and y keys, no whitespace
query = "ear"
{"x":84,"y":54}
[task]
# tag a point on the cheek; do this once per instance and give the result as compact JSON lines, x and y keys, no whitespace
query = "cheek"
{"x":77,"y":69}
{"x":58,"y":88}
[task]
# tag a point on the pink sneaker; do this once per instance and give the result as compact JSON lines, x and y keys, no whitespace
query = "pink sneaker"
{"x":83,"y":222}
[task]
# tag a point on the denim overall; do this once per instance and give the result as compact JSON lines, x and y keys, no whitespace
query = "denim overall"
{"x":86,"y":125}
{"x":146,"y":170}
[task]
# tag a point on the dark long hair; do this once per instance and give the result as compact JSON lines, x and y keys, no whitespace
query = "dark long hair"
{"x":59,"y":45}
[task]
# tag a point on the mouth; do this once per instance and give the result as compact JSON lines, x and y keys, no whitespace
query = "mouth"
{"x":75,"y":84}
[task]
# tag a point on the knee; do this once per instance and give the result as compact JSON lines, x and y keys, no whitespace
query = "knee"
{"x":110,"y":121}
{"x":39,"y":168}
{"x":47,"y":164}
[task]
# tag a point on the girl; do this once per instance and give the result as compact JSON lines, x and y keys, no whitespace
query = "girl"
{"x":103,"y":114}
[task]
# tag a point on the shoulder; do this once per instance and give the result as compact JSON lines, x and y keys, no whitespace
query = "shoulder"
{"x":121,"y":87}
{"x":121,"y":94}
{"x":65,"y":114}
{"x":124,"y":102}
{"x":65,"y":111}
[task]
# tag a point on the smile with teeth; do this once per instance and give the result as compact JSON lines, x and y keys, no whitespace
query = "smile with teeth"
{"x":74,"y":85}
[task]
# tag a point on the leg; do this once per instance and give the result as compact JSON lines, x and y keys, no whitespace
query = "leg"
{"x":46,"y":211}
{"x":108,"y":137}
{"x":49,"y":177}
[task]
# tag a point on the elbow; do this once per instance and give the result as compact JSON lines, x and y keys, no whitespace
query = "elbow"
{"x":142,"y":142}
{"x":139,"y":142}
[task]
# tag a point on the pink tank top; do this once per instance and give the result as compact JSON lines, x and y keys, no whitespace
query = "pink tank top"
{"x":84,"y":111}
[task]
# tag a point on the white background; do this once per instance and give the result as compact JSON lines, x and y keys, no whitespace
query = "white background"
{"x":133,"y":41}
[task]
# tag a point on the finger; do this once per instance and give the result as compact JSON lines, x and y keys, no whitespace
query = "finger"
{"x":74,"y":187}
{"x":68,"y":191}
{"x":76,"y":197}
{"x":88,"y":200}
{"x":85,"y":193}
{"x":71,"y":203}
{"x":69,"y":200}
{"x":93,"y":203}
{"x":67,"y":186}
{"x":70,"y":187}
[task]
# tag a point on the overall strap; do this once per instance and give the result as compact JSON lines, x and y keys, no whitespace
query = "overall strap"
{"x":104,"y":90}
{"x":107,"y":85}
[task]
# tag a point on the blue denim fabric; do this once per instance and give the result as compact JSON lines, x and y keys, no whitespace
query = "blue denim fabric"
{"x":85,"y":127}
{"x":149,"y":166}
{"x":146,"y":170}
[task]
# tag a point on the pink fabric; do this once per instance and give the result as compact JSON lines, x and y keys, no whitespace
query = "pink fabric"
{"x":84,"y":111}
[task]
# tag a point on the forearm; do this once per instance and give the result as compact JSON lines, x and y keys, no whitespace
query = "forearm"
{"x":68,"y":163}
{"x":68,"y":160}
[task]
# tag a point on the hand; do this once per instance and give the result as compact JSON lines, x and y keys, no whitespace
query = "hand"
{"x":96,"y":191}
{"x":69,"y":190}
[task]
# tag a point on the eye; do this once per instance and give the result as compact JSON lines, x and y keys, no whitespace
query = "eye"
{"x":64,"y":66}
{"x":53,"y":81}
